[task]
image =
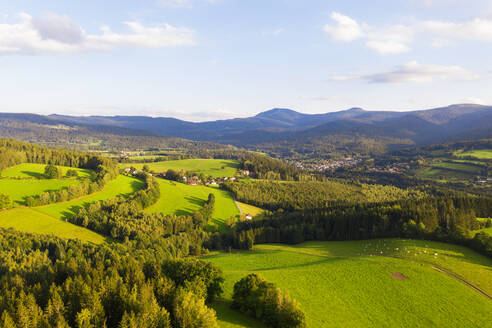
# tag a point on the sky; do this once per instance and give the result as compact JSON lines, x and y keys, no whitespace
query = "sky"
{"x":204,"y":60}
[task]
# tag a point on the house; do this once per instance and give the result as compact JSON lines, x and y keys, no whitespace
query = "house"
{"x":245,"y":172}
{"x":232,"y":178}
{"x":127,"y":169}
{"x":248,"y":217}
{"x":213,"y":183}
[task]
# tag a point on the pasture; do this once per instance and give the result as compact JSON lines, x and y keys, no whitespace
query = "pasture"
{"x":458,"y":170}
{"x":19,"y":190}
{"x":30,"y":220}
{"x":212,"y":167}
{"x":182,"y":199}
{"x":250,"y":209}
{"x":480,"y":154}
{"x":36,"y":171}
{"x":486,"y":230}
{"x":121,"y":186}
{"x":358,"y":283}
{"x":457,"y":166}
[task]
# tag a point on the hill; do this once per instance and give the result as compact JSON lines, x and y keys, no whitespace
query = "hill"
{"x":279,"y":131}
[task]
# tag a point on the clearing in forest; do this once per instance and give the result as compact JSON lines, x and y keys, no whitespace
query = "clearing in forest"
{"x":212,"y":167}
{"x":121,"y":186}
{"x":182,"y":199}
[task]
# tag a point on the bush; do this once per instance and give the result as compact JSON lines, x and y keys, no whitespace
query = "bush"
{"x":72,"y":173}
{"x":5,"y":201}
{"x":52,"y":172}
{"x":264,"y":301}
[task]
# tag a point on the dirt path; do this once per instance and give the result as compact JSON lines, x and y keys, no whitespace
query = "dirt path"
{"x":457,"y":277}
{"x":239,"y":207}
{"x":448,"y":273}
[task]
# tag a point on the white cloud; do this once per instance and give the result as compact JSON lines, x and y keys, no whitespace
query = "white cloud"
{"x":391,"y":40}
{"x":345,"y":29}
{"x":54,"y":33}
{"x":175,"y":3}
{"x":396,"y":39}
{"x":477,"y":29}
{"x":413,"y":72}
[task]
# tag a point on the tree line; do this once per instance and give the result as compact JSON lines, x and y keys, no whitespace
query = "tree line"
{"x":448,"y":219}
{"x":292,"y":196}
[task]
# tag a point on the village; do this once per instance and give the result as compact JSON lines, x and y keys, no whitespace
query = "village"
{"x":327,"y":165}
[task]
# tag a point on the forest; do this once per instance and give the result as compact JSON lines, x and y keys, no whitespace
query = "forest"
{"x":147,"y":274}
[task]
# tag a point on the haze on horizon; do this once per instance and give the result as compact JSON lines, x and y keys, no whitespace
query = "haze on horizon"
{"x":203,"y":60}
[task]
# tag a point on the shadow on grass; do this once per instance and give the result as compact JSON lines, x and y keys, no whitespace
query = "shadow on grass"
{"x":35,"y":175}
{"x":233,"y":317}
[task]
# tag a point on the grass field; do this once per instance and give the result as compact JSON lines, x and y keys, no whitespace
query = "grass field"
{"x":461,"y":166}
{"x":19,"y":190}
{"x":181,"y":199}
{"x":121,"y":186}
{"x":345,"y":284}
{"x":213,"y":167}
{"x":146,"y":157}
{"x":30,"y":220}
{"x":480,"y":154}
{"x":36,"y":171}
{"x":486,"y":230}
{"x":250,"y":209}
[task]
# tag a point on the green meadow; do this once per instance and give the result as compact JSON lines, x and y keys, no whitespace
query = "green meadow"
{"x":36,"y":171}
{"x":181,"y":199}
{"x":480,"y":154}
{"x":250,"y":209}
{"x":213,"y":167}
{"x":19,"y":190}
{"x":144,"y":157}
{"x":30,"y":220}
{"x":450,"y":171}
{"x":457,"y":166}
{"x":374,"y":283}
{"x":486,"y":230}
{"x":121,"y":186}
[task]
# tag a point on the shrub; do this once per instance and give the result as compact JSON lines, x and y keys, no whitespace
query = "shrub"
{"x":52,"y":172}
{"x":5,"y":201}
{"x":72,"y":173}
{"x":264,"y":301}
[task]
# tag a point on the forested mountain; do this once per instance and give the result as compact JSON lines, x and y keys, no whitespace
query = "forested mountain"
{"x":283,"y":130}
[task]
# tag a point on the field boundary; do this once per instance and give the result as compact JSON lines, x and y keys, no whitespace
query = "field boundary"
{"x":459,"y":278}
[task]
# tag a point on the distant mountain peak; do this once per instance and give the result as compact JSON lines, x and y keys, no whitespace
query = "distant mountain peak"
{"x":355,"y":110}
{"x":275,"y":112}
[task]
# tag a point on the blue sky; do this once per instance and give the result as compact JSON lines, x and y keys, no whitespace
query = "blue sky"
{"x":211,"y":59}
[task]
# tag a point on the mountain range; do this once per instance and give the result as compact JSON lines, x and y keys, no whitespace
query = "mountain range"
{"x":278,"y":125}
